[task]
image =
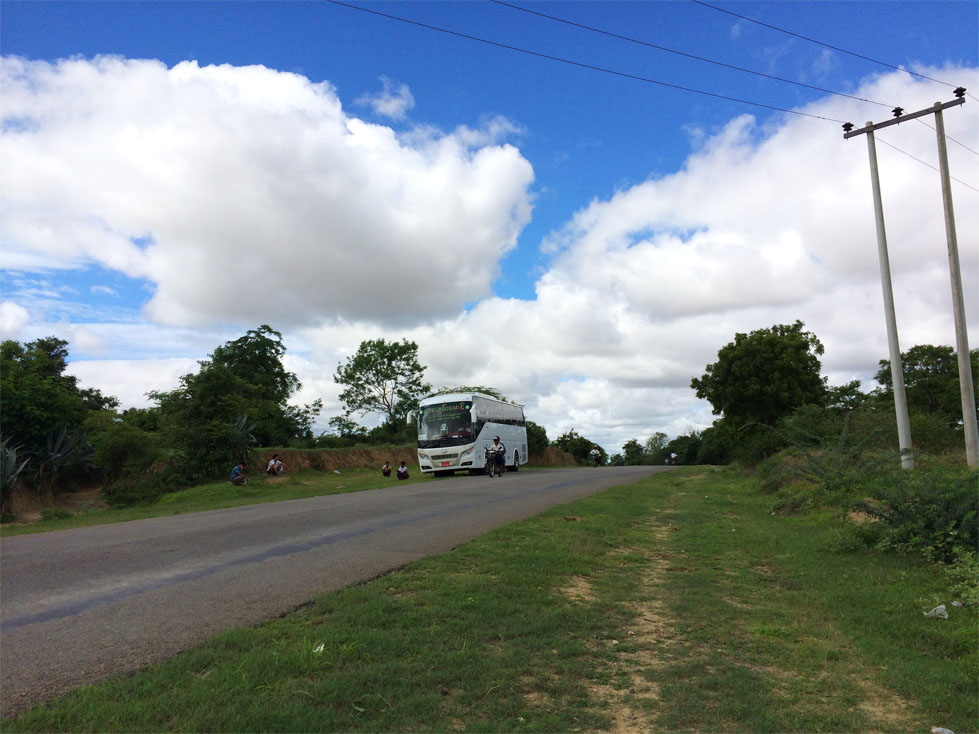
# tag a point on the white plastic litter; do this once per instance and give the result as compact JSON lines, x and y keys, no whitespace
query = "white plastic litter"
{"x":336,"y":471}
{"x":941,"y":730}
{"x":319,"y":648}
{"x":938,"y":612}
{"x":958,"y":604}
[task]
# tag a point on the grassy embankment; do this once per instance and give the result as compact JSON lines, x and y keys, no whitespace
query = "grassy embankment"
{"x":214,"y":496}
{"x":311,"y":473}
{"x":677,"y":603}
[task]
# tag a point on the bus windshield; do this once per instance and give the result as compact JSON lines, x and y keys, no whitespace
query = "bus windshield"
{"x":445,"y":424}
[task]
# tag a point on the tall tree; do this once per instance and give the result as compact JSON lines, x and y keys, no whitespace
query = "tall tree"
{"x":931,"y":380}
{"x":256,"y":358}
{"x":633,"y":452}
{"x":382,"y":377}
{"x":764,"y":375}
{"x":243,"y":385}
{"x":536,"y":438}
{"x":576,"y":445}
{"x":38,"y":398}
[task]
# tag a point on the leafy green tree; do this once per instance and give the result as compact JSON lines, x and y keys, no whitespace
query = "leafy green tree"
{"x":633,"y":452}
{"x":536,"y":438}
{"x":204,"y":418}
{"x":345,"y":428}
{"x":845,"y":397}
{"x":382,"y":377}
{"x":576,"y":445}
{"x":122,"y":447}
{"x":715,"y":445}
{"x":145,"y":419}
{"x":931,"y":380}
{"x":38,"y":399}
{"x":764,"y":375}
{"x":256,"y":358}
{"x":655,"y":443}
{"x":683,"y":450}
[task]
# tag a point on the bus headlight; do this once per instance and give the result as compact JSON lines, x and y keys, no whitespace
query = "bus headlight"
{"x":423,"y":457}
{"x":467,"y":452}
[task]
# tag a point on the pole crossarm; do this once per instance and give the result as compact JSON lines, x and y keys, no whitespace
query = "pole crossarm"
{"x":903,"y":118}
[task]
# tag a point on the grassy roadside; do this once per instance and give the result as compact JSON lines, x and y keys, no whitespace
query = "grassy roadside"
{"x":676,"y":603}
{"x":219,"y":495}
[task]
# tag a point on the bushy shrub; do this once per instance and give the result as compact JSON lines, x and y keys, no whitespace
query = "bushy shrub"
{"x":123,"y":448}
{"x":755,"y":442}
{"x":932,"y":510}
{"x":56,"y":513}
{"x":143,"y":488}
{"x":963,"y":576}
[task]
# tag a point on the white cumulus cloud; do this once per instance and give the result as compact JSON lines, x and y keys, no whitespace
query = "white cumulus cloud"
{"x":245,"y":194}
{"x":393,"y":101}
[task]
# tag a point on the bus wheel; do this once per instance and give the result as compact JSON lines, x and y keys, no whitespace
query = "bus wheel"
{"x":516,"y":461}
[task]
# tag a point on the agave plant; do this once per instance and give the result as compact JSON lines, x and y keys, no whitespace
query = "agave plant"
{"x":243,"y":438}
{"x":10,"y":468}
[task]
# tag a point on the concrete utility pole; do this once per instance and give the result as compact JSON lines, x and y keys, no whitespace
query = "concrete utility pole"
{"x":958,"y":305}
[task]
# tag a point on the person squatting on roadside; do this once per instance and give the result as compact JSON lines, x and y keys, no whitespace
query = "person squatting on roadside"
{"x":386,"y":469}
{"x":402,"y":471}
{"x":275,"y":468}
{"x":238,"y":475}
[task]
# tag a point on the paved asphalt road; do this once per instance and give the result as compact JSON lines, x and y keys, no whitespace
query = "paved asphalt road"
{"x":77,"y":606}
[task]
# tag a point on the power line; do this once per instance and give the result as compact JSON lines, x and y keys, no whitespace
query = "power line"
{"x":683,"y":53}
{"x":821,"y":43}
{"x":607,"y":71}
{"x":924,"y":163}
{"x":710,"y":61}
{"x":949,"y":137}
{"x":579,"y":63}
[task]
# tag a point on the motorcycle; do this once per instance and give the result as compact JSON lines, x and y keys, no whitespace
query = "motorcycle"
{"x":490,"y":461}
{"x":596,"y":459}
{"x":495,"y":463}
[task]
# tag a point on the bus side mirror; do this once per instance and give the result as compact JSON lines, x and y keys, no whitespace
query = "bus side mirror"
{"x":410,"y":418}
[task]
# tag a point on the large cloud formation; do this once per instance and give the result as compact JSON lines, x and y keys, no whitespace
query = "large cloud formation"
{"x":215,"y":182}
{"x":201,"y":179}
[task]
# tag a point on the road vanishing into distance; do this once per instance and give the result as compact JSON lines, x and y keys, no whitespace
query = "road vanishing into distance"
{"x":77,"y":606}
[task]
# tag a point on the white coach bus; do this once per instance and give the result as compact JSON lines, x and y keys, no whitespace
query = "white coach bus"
{"x":455,"y":429}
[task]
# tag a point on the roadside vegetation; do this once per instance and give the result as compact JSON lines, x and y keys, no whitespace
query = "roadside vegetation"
{"x":57,"y":438}
{"x":683,"y":602}
{"x":215,"y":496}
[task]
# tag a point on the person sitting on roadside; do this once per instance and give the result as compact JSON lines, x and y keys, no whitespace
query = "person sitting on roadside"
{"x":402,"y":471}
{"x":386,"y":469}
{"x":275,"y":468}
{"x":238,"y":475}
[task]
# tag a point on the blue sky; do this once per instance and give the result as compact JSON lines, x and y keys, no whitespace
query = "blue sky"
{"x":605,"y":226}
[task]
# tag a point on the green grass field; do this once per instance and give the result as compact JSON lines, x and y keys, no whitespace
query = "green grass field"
{"x":679,"y":603}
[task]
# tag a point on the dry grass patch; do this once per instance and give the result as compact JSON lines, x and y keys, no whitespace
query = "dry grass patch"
{"x":631,"y":706}
{"x":579,"y":589}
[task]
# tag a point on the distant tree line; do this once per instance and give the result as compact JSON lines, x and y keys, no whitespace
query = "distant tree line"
{"x":765,"y":386}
